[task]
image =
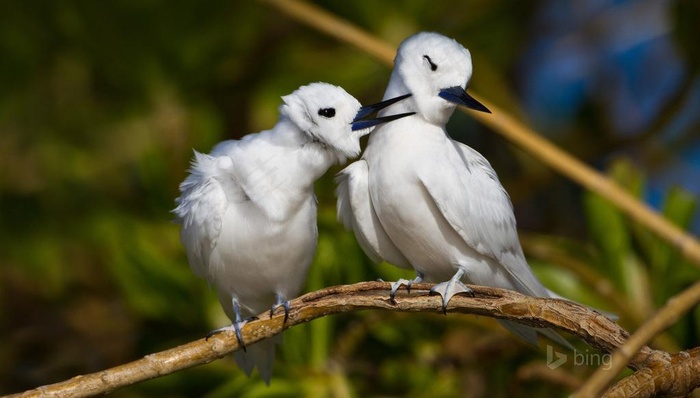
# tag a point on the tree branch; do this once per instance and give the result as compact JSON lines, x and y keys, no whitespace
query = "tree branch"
{"x":676,"y":376}
{"x":595,"y":329}
{"x":665,"y":317}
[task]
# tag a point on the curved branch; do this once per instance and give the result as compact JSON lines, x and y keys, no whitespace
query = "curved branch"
{"x":676,"y":376}
{"x":664,"y":318}
{"x":510,"y":128}
{"x":597,"y":330}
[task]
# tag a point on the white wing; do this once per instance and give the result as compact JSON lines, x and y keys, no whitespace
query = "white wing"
{"x":357,"y":214}
{"x":466,"y":190}
{"x":200,"y":210}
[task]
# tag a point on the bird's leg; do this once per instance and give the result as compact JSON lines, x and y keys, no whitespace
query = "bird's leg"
{"x":236,"y":326}
{"x":280,"y":301}
{"x":396,"y":285}
{"x":418,"y":279}
{"x":450,"y":288}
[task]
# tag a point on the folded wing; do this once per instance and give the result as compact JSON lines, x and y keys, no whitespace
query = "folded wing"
{"x":357,"y":214}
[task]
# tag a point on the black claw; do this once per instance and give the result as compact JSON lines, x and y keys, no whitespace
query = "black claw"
{"x":239,"y":336}
{"x":286,"y":311}
{"x":236,"y":329}
{"x":432,"y":292}
{"x":281,"y":302}
{"x":394,"y":289}
{"x":284,"y":305}
{"x":237,"y":323}
{"x":212,"y":333}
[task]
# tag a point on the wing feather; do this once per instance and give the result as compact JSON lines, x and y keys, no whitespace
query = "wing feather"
{"x":356,"y":212}
{"x":466,"y":190}
{"x":200,"y":210}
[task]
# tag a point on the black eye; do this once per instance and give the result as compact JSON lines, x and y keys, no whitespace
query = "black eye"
{"x":327,"y":112}
{"x":433,"y":66}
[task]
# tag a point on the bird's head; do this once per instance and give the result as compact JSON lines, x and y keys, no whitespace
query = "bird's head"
{"x":435,"y":70}
{"x":331,"y":117}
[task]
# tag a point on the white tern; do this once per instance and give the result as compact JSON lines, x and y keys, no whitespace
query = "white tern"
{"x":248,"y":210}
{"x":418,"y":199}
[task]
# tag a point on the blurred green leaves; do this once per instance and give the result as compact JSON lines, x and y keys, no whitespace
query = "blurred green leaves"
{"x":101,"y":105}
{"x":634,"y":258}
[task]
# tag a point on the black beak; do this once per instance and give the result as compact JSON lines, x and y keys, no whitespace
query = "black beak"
{"x":361,"y":122}
{"x":459,"y":96}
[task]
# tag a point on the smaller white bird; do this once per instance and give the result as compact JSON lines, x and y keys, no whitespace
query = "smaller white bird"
{"x":248,"y":210}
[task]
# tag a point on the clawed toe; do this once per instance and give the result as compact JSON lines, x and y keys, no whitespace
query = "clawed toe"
{"x":280,"y":301}
{"x":284,"y":305}
{"x":236,"y":328}
{"x":396,"y":285}
{"x":449,"y":289}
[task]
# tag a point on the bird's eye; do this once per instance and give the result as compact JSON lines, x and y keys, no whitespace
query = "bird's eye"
{"x":433,"y":66}
{"x":327,"y":112}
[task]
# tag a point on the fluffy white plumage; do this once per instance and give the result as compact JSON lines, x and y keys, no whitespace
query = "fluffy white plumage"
{"x":248,"y":210}
{"x":420,"y":200}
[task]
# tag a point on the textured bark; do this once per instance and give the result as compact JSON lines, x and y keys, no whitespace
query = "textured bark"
{"x":674,"y":375}
{"x":657,"y":371}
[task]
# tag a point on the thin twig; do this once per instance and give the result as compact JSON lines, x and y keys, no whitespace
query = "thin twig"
{"x":509,"y":127}
{"x":667,"y":316}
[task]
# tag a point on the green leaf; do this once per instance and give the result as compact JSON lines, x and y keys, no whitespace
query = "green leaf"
{"x":608,"y":230}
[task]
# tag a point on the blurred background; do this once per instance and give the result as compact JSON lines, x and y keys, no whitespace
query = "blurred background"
{"x":102,"y":103}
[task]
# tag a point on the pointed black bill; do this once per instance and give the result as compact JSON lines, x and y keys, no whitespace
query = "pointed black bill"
{"x":459,"y":96}
{"x":365,"y":124}
{"x":370,"y":109}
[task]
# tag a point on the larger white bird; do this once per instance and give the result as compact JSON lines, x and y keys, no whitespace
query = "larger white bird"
{"x":420,"y":200}
{"x":248,"y":210}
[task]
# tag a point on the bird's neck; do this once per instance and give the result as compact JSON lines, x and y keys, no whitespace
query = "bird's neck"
{"x":303,"y":160}
{"x":397,"y":87}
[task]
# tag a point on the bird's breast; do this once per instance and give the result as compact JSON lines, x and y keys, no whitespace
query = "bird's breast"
{"x":404,"y":207}
{"x":256,"y":256}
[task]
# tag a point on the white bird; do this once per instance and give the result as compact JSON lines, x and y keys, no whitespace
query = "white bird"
{"x":418,"y":199}
{"x":248,"y":210}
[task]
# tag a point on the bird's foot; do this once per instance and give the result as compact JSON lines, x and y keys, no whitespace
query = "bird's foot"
{"x":235,"y":326}
{"x":396,"y":285}
{"x":450,"y":288}
{"x":281,"y":302}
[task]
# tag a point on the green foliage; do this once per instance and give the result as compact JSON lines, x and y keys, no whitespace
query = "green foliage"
{"x":646,"y":268}
{"x":101,"y":105}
